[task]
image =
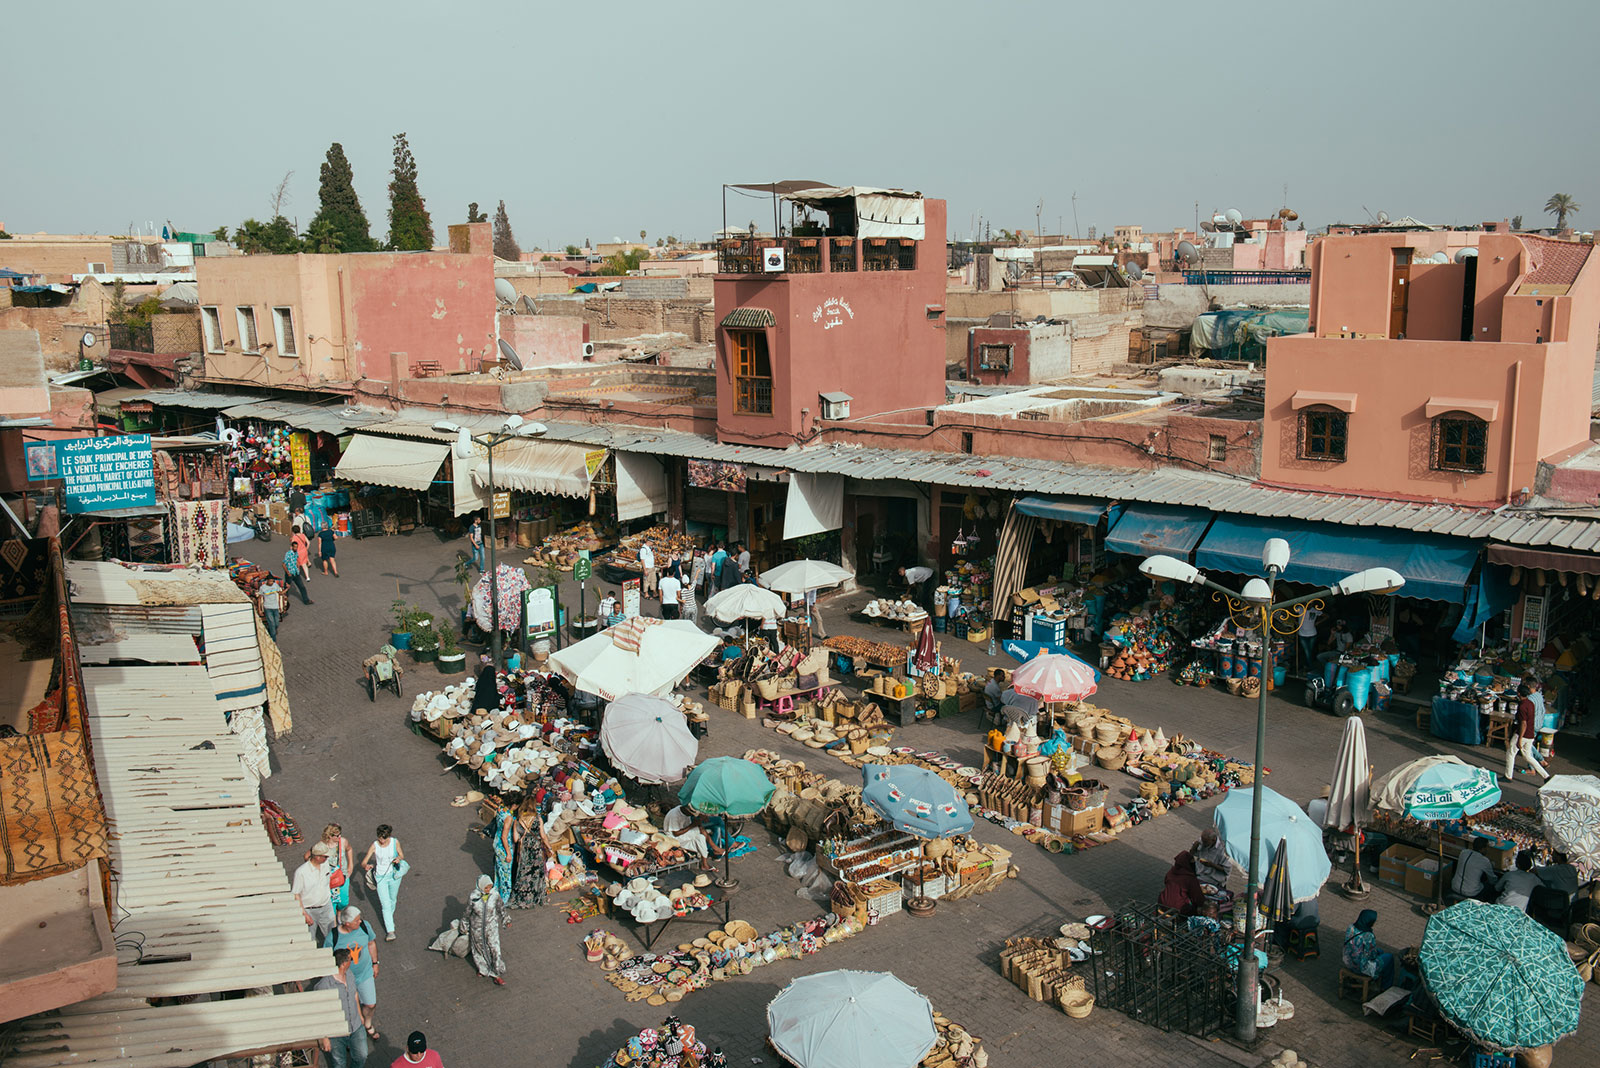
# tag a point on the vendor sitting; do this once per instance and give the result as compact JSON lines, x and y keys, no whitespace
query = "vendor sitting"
{"x":1339,"y":641}
{"x":1474,"y":875}
{"x":685,"y":827}
{"x":1182,"y":891}
{"x":730,"y":649}
{"x":993,"y":690}
{"x":1362,"y":953}
{"x":1210,"y":859}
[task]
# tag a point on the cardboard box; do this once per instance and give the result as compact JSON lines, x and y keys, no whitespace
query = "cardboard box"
{"x":1422,"y":877}
{"x":1393,"y":864}
{"x":1084,"y":821}
{"x":1027,"y":596}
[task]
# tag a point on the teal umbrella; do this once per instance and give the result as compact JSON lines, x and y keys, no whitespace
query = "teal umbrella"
{"x":727,"y":786}
{"x":1306,"y":866}
{"x":1435,"y":788}
{"x":1499,"y":976}
{"x":850,"y":1019}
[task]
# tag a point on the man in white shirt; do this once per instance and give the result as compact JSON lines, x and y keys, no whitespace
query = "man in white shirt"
{"x":744,"y":563}
{"x":311,"y":889}
{"x":1517,"y":887}
{"x":668,"y":586}
{"x":1474,"y":875}
{"x":916,"y":579}
{"x":647,"y":564}
{"x":1308,"y":638}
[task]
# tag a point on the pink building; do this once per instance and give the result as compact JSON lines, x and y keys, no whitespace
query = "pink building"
{"x":1439,"y":365}
{"x":844,"y":316}
{"x":315,"y":321}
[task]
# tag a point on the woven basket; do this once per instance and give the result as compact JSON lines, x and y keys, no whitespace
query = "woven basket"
{"x":1111,"y":757}
{"x":1106,"y":732}
{"x":767,"y":688}
{"x":1075,"y":1000}
{"x":1250,"y":687}
{"x":1075,"y":798}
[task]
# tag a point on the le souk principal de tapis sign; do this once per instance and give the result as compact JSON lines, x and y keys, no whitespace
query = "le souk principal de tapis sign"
{"x":97,"y":474}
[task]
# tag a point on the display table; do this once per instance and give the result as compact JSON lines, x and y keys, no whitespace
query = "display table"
{"x":649,"y":933}
{"x":901,"y":711}
{"x":1456,"y":721}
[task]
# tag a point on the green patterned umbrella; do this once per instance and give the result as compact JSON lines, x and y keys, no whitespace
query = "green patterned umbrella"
{"x":1500,"y":977}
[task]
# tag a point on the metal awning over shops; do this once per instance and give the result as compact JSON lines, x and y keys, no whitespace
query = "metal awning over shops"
{"x":1082,"y":510}
{"x":1544,"y":559}
{"x":210,"y":402}
{"x":749,"y":319}
{"x":379,"y":461}
{"x":1435,"y":568}
{"x":319,"y":418}
{"x":1158,"y":530}
{"x":539,"y":467}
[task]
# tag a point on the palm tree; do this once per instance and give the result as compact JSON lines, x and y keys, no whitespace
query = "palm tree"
{"x":1561,"y":205}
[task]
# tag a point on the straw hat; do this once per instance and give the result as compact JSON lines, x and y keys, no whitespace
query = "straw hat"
{"x":702,"y":880}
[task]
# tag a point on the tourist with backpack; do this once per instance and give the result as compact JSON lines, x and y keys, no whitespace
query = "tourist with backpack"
{"x":292,"y":575}
{"x":357,"y":934}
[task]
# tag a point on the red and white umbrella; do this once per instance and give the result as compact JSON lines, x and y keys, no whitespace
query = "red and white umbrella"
{"x":1055,"y":677}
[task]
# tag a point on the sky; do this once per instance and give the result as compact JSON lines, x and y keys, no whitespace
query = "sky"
{"x":596,"y":121}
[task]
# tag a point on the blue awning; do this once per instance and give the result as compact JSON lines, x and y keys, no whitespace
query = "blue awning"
{"x":1158,"y":529}
{"x":1436,"y":568}
{"x":1084,"y":510}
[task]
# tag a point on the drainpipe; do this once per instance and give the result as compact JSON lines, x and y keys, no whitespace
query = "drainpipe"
{"x":1511,"y":437}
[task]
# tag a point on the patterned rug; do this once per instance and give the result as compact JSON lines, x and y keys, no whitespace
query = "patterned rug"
{"x":51,"y":818}
{"x":200,"y":533}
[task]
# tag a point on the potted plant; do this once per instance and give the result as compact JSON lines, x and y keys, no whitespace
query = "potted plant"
{"x":464,"y":579}
{"x":400,"y":637}
{"x":424,"y":640}
{"x":451,"y":660}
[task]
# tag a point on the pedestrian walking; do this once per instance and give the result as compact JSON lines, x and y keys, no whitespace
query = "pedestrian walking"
{"x":341,"y":863}
{"x":714,"y":569}
{"x":647,"y":565}
{"x":311,"y":889}
{"x":417,"y":1054}
{"x":475,"y":540}
{"x":744,"y":563}
{"x":1522,"y":741}
{"x":292,"y":575}
{"x":301,"y":545}
{"x":698,"y":561}
{"x":386,"y":864}
{"x":670,"y":588}
{"x":727,"y":572}
{"x":688,"y":603}
{"x":1308,"y":639}
{"x":356,"y":934}
{"x":327,"y":549}
{"x":486,"y":914}
{"x":348,"y":1050}
{"x":271,"y":593}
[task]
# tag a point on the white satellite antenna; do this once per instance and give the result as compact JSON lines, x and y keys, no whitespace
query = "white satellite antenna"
{"x":505,"y":291}
{"x":510,"y":355}
{"x":1465,"y":254}
{"x":1135,"y":272}
{"x":1383,"y":218}
{"x":1187,"y":253}
{"x":1234,"y":217}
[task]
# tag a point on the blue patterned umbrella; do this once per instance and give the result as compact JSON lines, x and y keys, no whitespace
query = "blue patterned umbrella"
{"x":915,"y":800}
{"x":1499,"y":976}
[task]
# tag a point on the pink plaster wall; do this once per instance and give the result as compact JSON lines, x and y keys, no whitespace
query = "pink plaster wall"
{"x":885,"y":351}
{"x":545,"y":340}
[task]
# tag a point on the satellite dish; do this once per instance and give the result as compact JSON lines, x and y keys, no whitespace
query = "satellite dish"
{"x":1188,"y":253}
{"x":88,"y":339}
{"x":510,"y":355}
{"x":505,"y":291}
{"x":1465,"y":254}
{"x":1208,"y":226}
{"x":1383,"y":218}
{"x":1439,"y":257}
{"x":1135,"y":272}
{"x":1233,"y":215}
{"x":1219,"y":218}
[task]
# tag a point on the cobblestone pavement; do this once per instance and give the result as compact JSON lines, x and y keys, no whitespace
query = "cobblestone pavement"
{"x":355,"y":762}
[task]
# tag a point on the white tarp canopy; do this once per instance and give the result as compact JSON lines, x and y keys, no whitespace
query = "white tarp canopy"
{"x":815,"y":505}
{"x":641,"y":486}
{"x":879,"y":212}
{"x":538,"y":467}
{"x":652,"y":657}
{"x":467,"y":495}
{"x":376,"y":461}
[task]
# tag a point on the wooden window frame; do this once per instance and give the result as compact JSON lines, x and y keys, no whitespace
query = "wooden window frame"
{"x":1309,"y":434}
{"x":283,"y":330}
{"x":747,"y":350}
{"x":211,"y":328}
{"x":1452,"y":448}
{"x":247,"y":313}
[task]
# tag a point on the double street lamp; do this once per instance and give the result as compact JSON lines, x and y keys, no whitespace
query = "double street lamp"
{"x":513,"y":428}
{"x":1254,"y":608}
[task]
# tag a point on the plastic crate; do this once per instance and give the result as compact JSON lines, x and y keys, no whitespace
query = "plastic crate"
{"x":884,"y":898}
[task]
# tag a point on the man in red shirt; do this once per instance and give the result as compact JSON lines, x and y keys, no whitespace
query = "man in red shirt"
{"x":1522,"y":740}
{"x":417,"y":1054}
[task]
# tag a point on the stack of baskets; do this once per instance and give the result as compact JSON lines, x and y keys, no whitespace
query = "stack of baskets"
{"x":1075,"y":999}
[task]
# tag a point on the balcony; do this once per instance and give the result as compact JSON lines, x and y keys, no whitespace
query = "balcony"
{"x":816,"y":254}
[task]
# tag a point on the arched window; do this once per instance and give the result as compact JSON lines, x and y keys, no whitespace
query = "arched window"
{"x":1323,"y":433}
{"x":1460,"y":443}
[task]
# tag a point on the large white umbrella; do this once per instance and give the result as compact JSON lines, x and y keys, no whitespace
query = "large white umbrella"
{"x":662,"y":654}
{"x":1570,"y":808}
{"x":746,"y":601}
{"x":647,"y":739}
{"x":802,"y":576}
{"x":1350,"y":790}
{"x":848,"y":1019}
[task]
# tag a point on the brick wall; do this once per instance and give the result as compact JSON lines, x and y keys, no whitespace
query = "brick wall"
{"x":656,"y":288}
{"x":60,"y":330}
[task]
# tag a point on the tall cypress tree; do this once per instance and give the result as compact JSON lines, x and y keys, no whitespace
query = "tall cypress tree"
{"x":410,"y":228}
{"x":505,"y":243}
{"x":339,"y":207}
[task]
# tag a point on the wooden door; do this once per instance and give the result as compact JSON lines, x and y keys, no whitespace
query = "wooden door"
{"x":1400,"y":293}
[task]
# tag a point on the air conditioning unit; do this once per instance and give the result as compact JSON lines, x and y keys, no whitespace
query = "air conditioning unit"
{"x":97,"y":268}
{"x":772,"y":260}
{"x":835,"y":405}
{"x":588,"y":350}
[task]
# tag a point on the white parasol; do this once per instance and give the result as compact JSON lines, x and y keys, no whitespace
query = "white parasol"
{"x":803,"y":576}
{"x":647,"y":739}
{"x":1350,"y":791}
{"x":746,"y":601}
{"x":666,"y":652}
{"x":1570,"y":808}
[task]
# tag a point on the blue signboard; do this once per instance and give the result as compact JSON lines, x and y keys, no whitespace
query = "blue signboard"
{"x":97,"y":474}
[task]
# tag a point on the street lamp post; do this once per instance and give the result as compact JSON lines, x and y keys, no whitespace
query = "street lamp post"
{"x":513,"y":428}
{"x":1254,"y":603}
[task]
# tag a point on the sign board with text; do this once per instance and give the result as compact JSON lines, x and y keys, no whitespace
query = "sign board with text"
{"x":97,"y":474}
{"x":539,"y":612}
{"x":502,"y":505}
{"x":300,"y":457}
{"x":630,"y":598}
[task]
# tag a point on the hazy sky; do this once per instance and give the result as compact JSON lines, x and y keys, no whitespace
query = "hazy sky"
{"x":599,"y":120}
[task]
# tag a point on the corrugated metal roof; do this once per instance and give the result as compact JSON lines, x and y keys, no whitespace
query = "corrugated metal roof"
{"x":188,"y":398}
{"x":101,"y":583}
{"x":659,"y":442}
{"x":320,"y":418}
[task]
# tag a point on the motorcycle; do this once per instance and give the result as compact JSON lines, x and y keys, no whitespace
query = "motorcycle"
{"x":257,"y":523}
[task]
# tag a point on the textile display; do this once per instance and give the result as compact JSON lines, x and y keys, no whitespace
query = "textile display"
{"x":1570,"y":808}
{"x":277,"y":690}
{"x":200,"y":533}
{"x":510,"y":583}
{"x":251,"y":727}
{"x":51,"y":819}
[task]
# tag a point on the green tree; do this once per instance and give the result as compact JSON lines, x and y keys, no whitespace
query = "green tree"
{"x":410,"y":227}
{"x":505,"y":242}
{"x":474,"y":215}
{"x":322,"y":237}
{"x":641,"y":235}
{"x":659,"y":242}
{"x":117,"y":310}
{"x":1516,"y":222}
{"x":1561,"y":205}
{"x":146,"y":310}
{"x":221,"y":232}
{"x":619,"y":263}
{"x":339,"y":207}
{"x":276,"y":237}
{"x":573,"y":250}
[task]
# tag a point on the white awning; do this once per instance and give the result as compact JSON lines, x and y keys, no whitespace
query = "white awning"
{"x":815,"y":505}
{"x":468,"y":496}
{"x":378,"y":461}
{"x":641,"y":486}
{"x":879,"y":212}
{"x":538,"y":467}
